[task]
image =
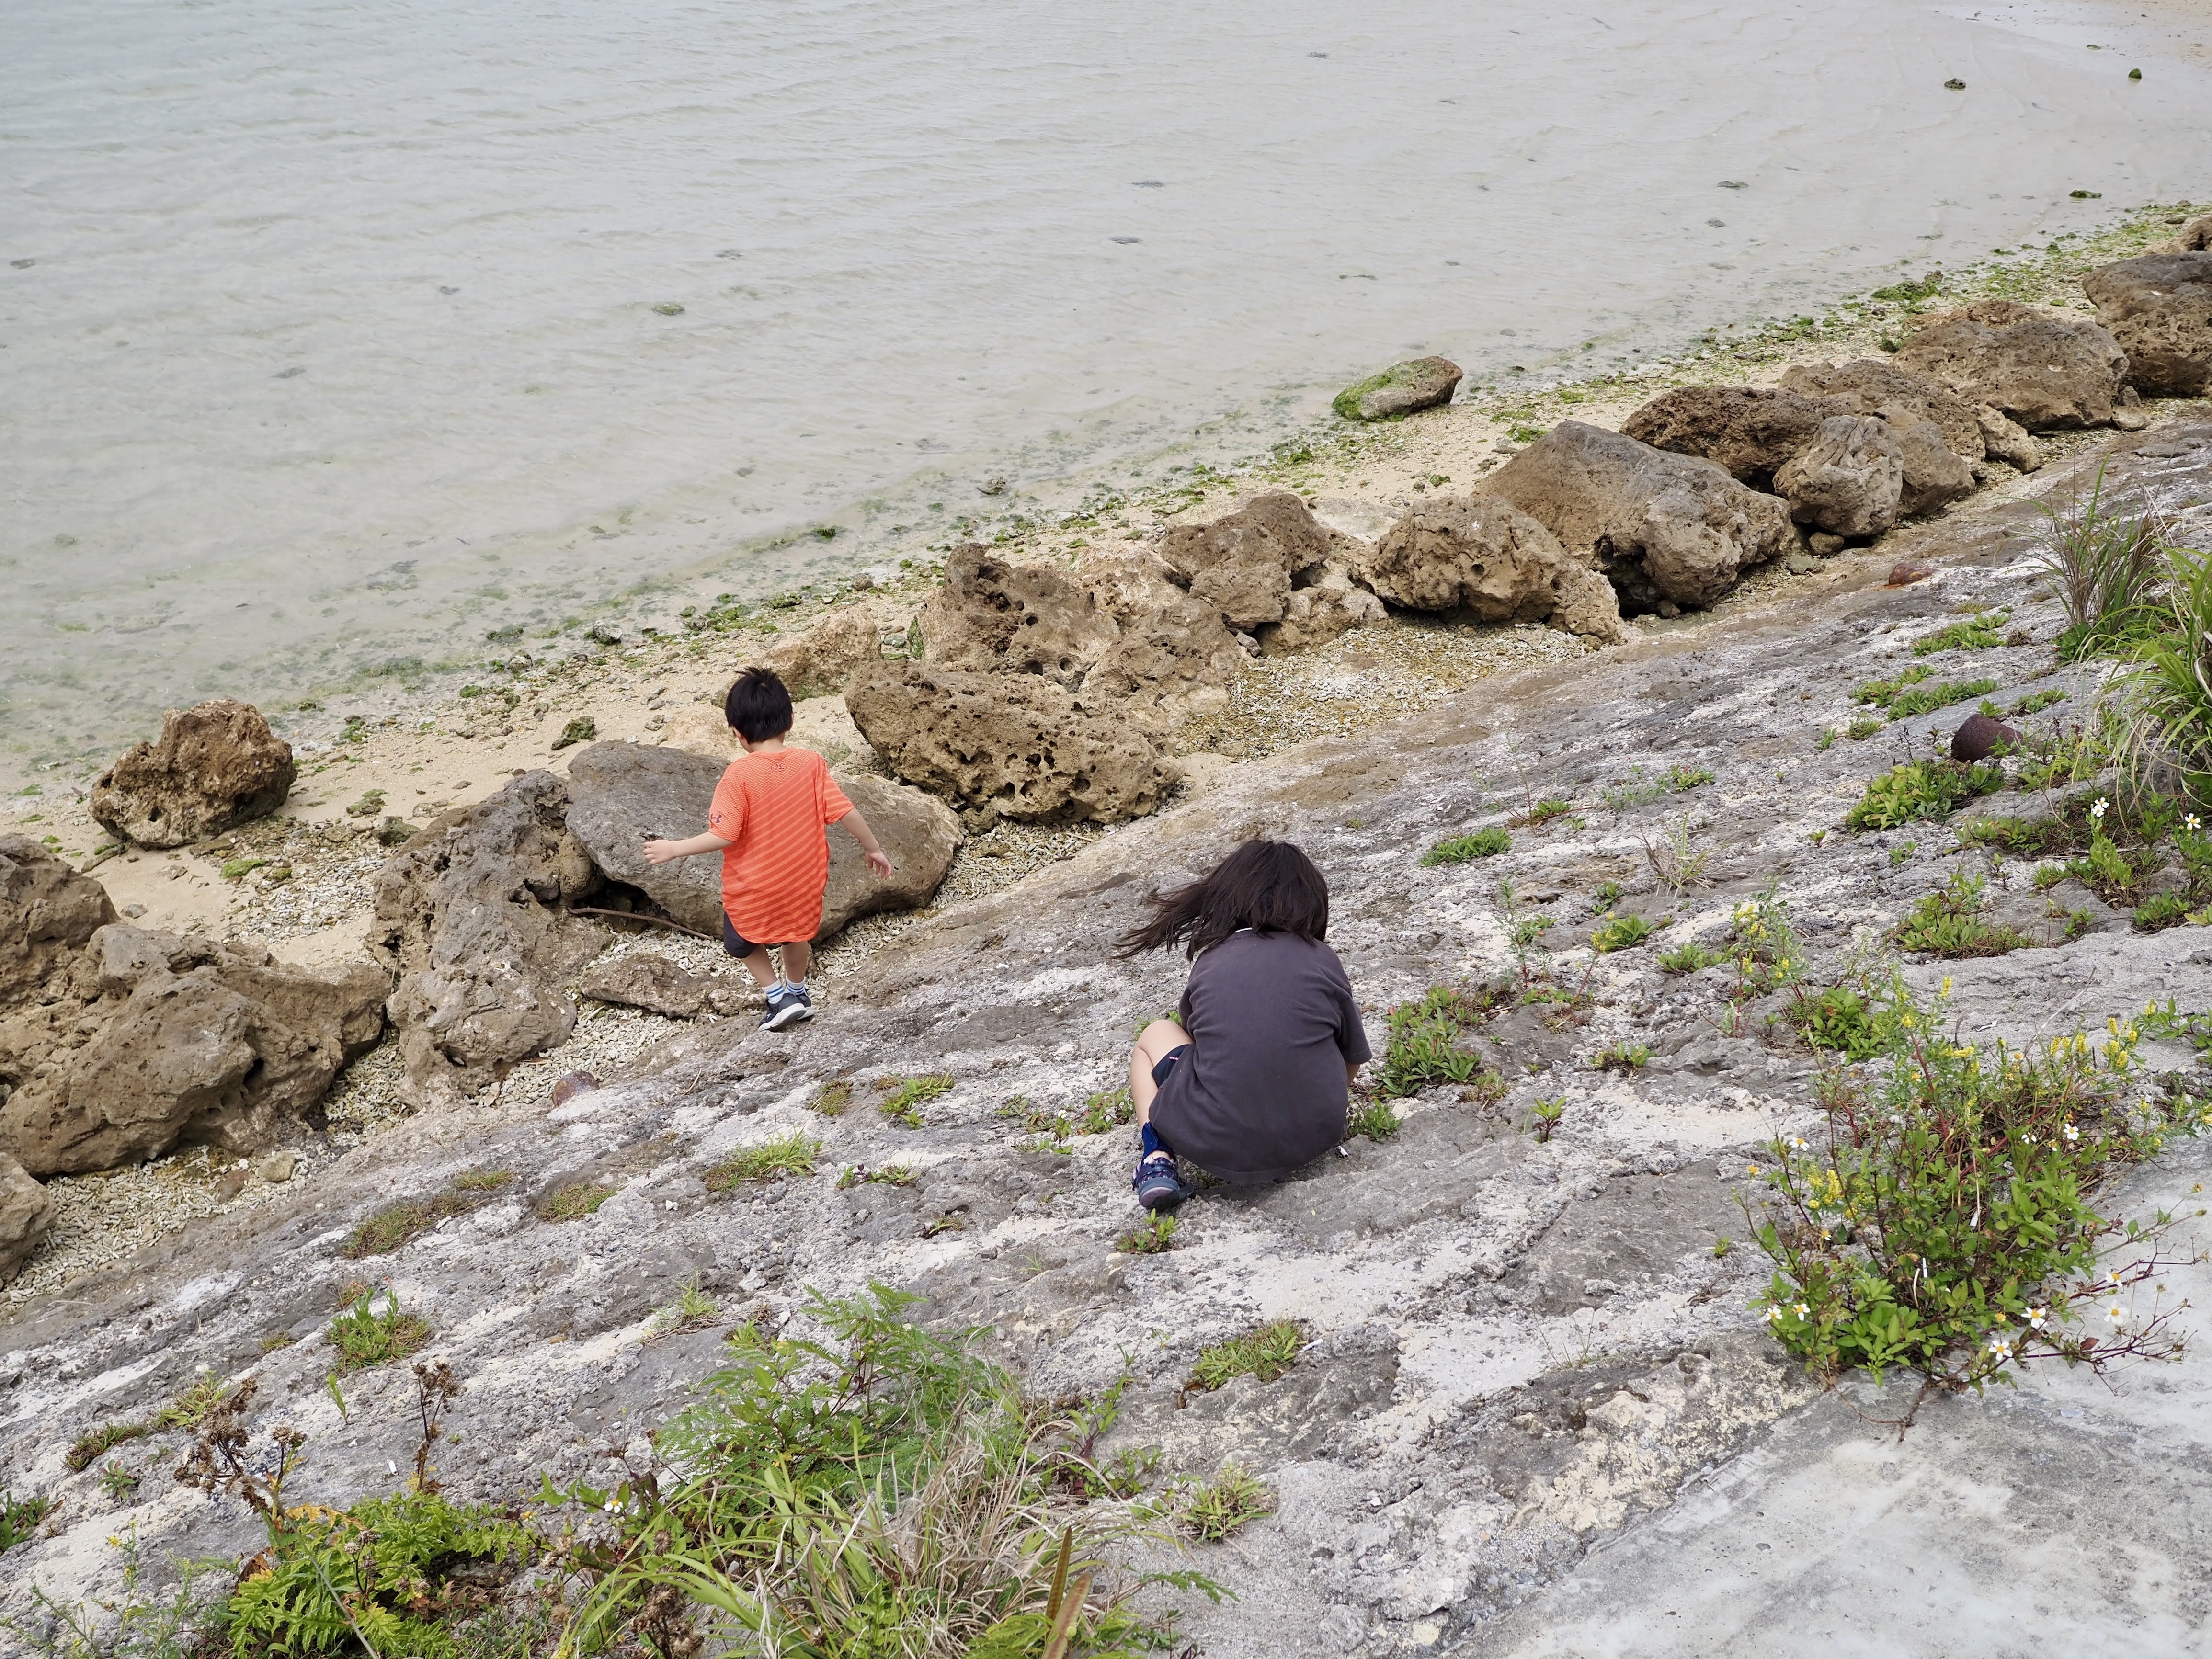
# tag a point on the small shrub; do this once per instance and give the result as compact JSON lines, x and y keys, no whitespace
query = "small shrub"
{"x":1927,"y":699}
{"x":19,"y":1517}
{"x":1944,"y":1224}
{"x":1922,"y":789}
{"x":95,"y":1443}
{"x":575,"y":1200}
{"x":2104,"y":565}
{"x":1621,"y":932}
{"x":1766,"y":953}
{"x":367,"y":1335}
{"x":1689,"y":958}
{"x":118,"y":1482}
{"x":1212,"y":1510}
{"x":1153,"y":1236}
{"x":1264,"y":1354}
{"x":1979,"y":633}
{"x":1606,"y":895}
{"x":1621,"y":1057}
{"x":1551,"y":807}
{"x":792,"y":1155}
{"x":1882,"y":693}
{"x":1950,"y":922}
{"x":1423,"y":1046}
{"x":1682,"y":779}
{"x":1546,"y":1113}
{"x":1374,"y":1119}
{"x":395,"y":1224}
{"x":2022,"y":837}
{"x":832,"y":1098}
{"x":1845,"y":1021}
{"x":1106,"y":1111}
{"x":1862,"y":728}
{"x":2036,"y":702}
{"x":903,"y":1096}
{"x":2048,"y":876}
{"x":1459,"y":850}
{"x":193,"y":1406}
{"x":2161,"y":910}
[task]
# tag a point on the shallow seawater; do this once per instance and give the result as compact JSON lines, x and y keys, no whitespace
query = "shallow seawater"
{"x":334,"y":337}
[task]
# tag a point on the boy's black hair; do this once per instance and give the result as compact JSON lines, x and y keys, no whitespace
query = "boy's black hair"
{"x":1270,"y":886}
{"x":758,"y":707}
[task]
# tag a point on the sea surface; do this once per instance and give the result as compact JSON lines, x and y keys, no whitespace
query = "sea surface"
{"x":334,"y":337}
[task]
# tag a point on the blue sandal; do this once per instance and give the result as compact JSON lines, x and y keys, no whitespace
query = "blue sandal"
{"x":1157,"y":1185}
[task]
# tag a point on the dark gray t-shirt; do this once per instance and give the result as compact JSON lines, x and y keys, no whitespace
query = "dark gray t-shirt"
{"x":1261,"y":1091}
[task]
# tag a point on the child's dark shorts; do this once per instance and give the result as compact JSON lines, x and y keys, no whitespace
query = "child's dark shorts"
{"x":1161,"y":1067}
{"x":734,"y":942}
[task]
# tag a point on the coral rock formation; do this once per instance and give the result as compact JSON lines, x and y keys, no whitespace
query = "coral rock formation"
{"x":2044,"y":371}
{"x":1483,"y":554}
{"x":1850,"y":481}
{"x":215,"y":765}
{"x":2160,"y":309}
{"x":1421,"y":383}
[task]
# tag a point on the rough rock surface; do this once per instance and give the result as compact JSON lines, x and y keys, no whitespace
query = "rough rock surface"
{"x":215,"y":765}
{"x":1665,"y":529}
{"x":1012,"y":745}
{"x":819,"y":661}
{"x":47,"y":913}
{"x":647,"y":979}
{"x":2006,"y":439}
{"x":147,"y":1039}
{"x":1979,"y":737}
{"x":1421,"y":383}
{"x":1850,"y":481}
{"x":1482,"y":555}
{"x":1172,"y":656}
{"x":1751,"y":432}
{"x":2159,"y":307}
{"x":1534,"y":1414}
{"x":621,"y":795}
{"x":471,"y":916}
{"x":1939,"y":464}
{"x":1326,"y":609}
{"x":1242,"y":563}
{"x":989,"y":617}
{"x":2194,"y":237}
{"x":26,"y":1213}
{"x":2043,"y":370}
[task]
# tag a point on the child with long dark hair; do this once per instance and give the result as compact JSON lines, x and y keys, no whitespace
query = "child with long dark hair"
{"x":1253,"y":1078}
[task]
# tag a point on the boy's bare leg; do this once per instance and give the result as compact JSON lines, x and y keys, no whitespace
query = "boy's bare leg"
{"x":758,"y":964}
{"x":797,"y":957}
{"x":1154,"y":1043}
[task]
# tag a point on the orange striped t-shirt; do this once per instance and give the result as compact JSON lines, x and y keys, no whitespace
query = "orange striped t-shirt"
{"x":772,"y":807}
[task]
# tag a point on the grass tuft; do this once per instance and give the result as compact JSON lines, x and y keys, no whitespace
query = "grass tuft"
{"x":1264,"y":1354}
{"x":366,"y":1335}
{"x":575,"y":1200}
{"x":1461,"y":850}
{"x":791,"y":1155}
{"x":903,"y":1096}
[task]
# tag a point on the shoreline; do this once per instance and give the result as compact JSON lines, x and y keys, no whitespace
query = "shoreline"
{"x":1058,"y":518}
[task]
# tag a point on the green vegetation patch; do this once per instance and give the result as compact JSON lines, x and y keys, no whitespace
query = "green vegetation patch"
{"x":1423,"y":1045}
{"x":575,"y":1200}
{"x":1978,"y":633}
{"x":1952,"y":922}
{"x":1622,"y":933}
{"x":366,"y":1335}
{"x":1153,"y":1236}
{"x":95,"y":1443}
{"x":1264,"y":1354}
{"x":395,"y":1224}
{"x":785,"y":1156}
{"x":1461,"y":850}
{"x":903,"y":1096}
{"x":1211,"y":1511}
{"x":1922,"y":789}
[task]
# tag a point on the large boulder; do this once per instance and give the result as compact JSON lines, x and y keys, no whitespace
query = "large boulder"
{"x":1421,"y":383}
{"x":620,"y":795}
{"x":216,"y":765}
{"x":1014,"y":745}
{"x":1172,"y":657}
{"x":1750,"y":431}
{"x":1936,"y":429}
{"x":471,"y":915}
{"x":1849,"y":481}
{"x":819,"y":661}
{"x":1241,"y":563}
{"x":1025,"y":619}
{"x":47,"y":913}
{"x":1666,"y":530}
{"x":1483,"y":554}
{"x":2159,"y":307}
{"x":26,"y":1213}
{"x":2044,"y":371}
{"x":1327,"y":608}
{"x":2194,"y":237}
{"x":147,"y":1039}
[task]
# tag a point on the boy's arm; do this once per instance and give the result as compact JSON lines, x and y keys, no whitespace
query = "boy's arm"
{"x":878,"y":860}
{"x":665,"y":852}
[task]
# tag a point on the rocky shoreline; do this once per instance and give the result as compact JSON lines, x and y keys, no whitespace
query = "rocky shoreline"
{"x":1459,"y":1280}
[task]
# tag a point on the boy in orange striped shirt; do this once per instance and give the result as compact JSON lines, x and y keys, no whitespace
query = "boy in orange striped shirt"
{"x":767,"y":821}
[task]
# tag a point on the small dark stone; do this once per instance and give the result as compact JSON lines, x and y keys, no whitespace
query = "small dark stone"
{"x":1955,"y":84}
{"x":1981,"y":737}
{"x":575,"y":1083}
{"x":1905,"y":572}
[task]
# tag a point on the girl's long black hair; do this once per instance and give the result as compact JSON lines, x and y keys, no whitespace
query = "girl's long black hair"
{"x":1270,"y":886}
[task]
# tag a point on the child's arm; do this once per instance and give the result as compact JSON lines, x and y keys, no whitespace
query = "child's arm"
{"x":856,"y":827}
{"x":666,"y":852}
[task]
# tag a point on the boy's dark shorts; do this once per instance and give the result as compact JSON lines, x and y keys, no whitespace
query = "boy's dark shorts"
{"x":1161,"y":1067}
{"x":734,"y":942}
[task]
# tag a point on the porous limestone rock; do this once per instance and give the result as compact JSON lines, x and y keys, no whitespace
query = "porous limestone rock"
{"x":26,"y":1213}
{"x":1172,"y":657}
{"x":699,"y":728}
{"x":1014,"y":745}
{"x":648,"y":979}
{"x":2043,"y":370}
{"x":621,"y":795}
{"x":989,"y":616}
{"x":820,"y":660}
{"x":2159,"y":307}
{"x":1330,"y":607}
{"x":1849,"y":481}
{"x":2006,"y":439}
{"x":2194,"y":237}
{"x":146,"y":1039}
{"x":1938,"y":464}
{"x":1665,"y":529}
{"x":1750,"y":431}
{"x":1421,"y":383}
{"x":471,"y":915}
{"x":1483,"y":554}
{"x":1241,"y":563}
{"x":215,"y":765}
{"x":47,"y":913}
